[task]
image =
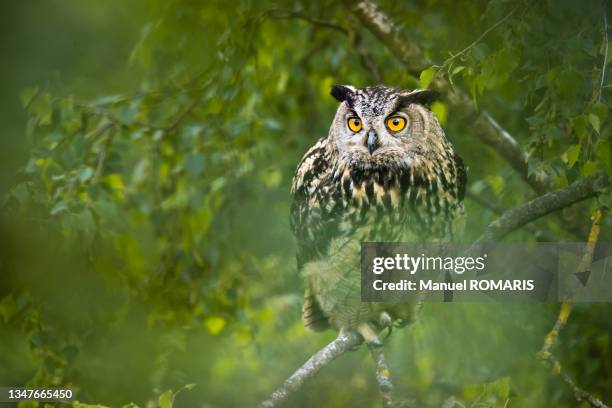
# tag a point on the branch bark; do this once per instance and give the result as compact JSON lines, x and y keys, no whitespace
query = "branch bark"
{"x":566,"y":309}
{"x":545,"y":204}
{"x":345,"y":341}
{"x":390,"y":34}
{"x":383,"y":376}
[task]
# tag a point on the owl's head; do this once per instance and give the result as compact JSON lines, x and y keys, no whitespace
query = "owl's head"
{"x":379,"y":126}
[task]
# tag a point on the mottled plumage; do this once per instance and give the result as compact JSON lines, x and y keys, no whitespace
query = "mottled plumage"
{"x":368,"y":181}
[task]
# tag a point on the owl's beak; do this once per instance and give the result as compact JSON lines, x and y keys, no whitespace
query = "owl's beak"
{"x":372,"y":141}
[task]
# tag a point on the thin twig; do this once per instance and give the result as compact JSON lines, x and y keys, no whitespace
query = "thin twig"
{"x":585,"y":263}
{"x":581,"y":395}
{"x":105,"y":150}
{"x":476,"y":41}
{"x":605,"y":60}
{"x":109,"y":115}
{"x":285,"y":14}
{"x":179,"y":118}
{"x":550,"y":340}
{"x":486,"y":203}
{"x":383,"y":376}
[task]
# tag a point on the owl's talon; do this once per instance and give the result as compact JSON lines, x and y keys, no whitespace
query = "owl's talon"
{"x":399,"y":323}
{"x":389,"y":331}
{"x":355,"y":348}
{"x":385,"y":319}
{"x":369,"y":334}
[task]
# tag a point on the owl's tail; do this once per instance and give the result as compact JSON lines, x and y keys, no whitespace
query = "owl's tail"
{"x":312,"y":315}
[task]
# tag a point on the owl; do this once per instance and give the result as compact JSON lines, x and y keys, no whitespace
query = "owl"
{"x":385,"y":172}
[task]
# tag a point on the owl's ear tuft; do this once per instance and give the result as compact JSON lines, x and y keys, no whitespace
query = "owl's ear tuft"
{"x":343,"y":93}
{"x":420,"y":96}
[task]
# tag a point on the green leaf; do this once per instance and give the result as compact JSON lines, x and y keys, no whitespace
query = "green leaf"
{"x":502,"y":387}
{"x":457,"y":70}
{"x":271,"y":178}
{"x":194,"y":164}
{"x":561,"y":180}
{"x":214,"y":324}
{"x":571,"y":155}
{"x":605,"y":200}
{"x":580,"y":124}
{"x":326,"y":85}
{"x":594,"y":121}
{"x":600,"y":110}
{"x":27,"y":95}
{"x":115,"y":181}
{"x":42,"y":108}
{"x":141,"y":170}
{"x":7,"y":307}
{"x":603,"y":151}
{"x":589,"y":168}
{"x":426,"y":76}
{"x":166,"y":399}
{"x":568,"y":84}
{"x":497,"y":183}
{"x":59,"y":207}
{"x":441,"y":111}
{"x":85,"y":174}
{"x":217,"y":184}
{"x":534,"y":165}
{"x":450,"y":402}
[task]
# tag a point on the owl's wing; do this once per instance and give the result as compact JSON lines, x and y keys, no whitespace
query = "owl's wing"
{"x":310,"y":212}
{"x":461,"y":177}
{"x":310,"y":222}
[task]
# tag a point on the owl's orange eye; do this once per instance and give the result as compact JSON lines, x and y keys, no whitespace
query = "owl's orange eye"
{"x":355,"y":124}
{"x":396,"y":123}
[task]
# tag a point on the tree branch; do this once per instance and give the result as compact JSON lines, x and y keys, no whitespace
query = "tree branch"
{"x":543,"y":205}
{"x":508,"y":222}
{"x":390,"y":34}
{"x":411,"y":56}
{"x":383,"y":376}
{"x":345,"y":341}
{"x":566,"y":309}
{"x":499,"y":211}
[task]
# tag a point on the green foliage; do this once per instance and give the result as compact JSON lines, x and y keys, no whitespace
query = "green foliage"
{"x":145,"y":240}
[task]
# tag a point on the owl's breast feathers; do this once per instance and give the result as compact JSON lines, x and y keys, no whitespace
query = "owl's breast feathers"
{"x":333,"y":197}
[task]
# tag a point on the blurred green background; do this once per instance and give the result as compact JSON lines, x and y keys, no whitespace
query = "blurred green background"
{"x":146,"y":154}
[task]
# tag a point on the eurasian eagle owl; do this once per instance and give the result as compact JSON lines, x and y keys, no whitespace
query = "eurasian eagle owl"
{"x":385,"y":172}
